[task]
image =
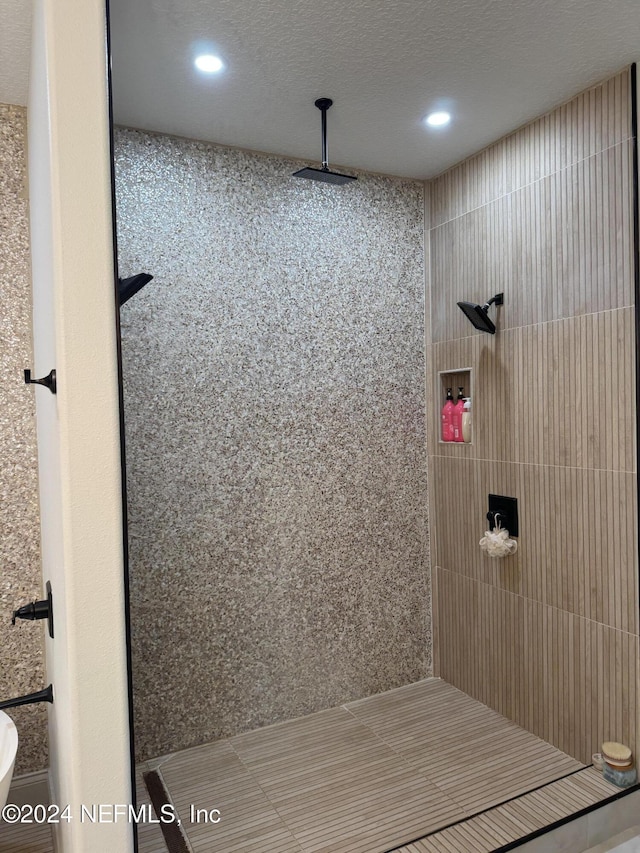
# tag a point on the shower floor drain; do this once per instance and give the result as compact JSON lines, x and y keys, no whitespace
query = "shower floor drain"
{"x":173,"y":836}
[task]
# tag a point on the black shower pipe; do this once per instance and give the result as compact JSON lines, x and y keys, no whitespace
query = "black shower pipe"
{"x":45,"y":695}
{"x":323,"y":105}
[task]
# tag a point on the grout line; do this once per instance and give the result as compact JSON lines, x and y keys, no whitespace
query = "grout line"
{"x":268,"y":799}
{"x":512,"y":329}
{"x":528,"y":464}
{"x":156,"y":763}
{"x":405,"y":761}
{"x":510,"y":724}
{"x":545,"y":177}
{"x":491,"y":808}
{"x":538,"y":601}
{"x":512,"y":845}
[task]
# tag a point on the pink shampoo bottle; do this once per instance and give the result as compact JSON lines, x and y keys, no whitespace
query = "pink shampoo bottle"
{"x":456,"y":417}
{"x":447,"y":417}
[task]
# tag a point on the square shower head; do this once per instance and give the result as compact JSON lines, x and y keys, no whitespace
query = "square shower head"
{"x":324,"y":175}
{"x":478,"y":315}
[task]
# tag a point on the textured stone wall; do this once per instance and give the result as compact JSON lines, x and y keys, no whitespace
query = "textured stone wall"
{"x":22,"y":647}
{"x":274,"y":399}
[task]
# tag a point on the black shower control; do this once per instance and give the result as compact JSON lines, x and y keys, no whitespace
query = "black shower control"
{"x":48,"y":381}
{"x":37,"y":610}
{"x":505,"y":511}
{"x":45,"y":695}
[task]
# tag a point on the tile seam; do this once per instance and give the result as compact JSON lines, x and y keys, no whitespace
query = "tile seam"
{"x":532,"y":464}
{"x":512,"y":329}
{"x":267,"y":798}
{"x":405,"y":760}
{"x":545,"y":177}
{"x":541,"y":603}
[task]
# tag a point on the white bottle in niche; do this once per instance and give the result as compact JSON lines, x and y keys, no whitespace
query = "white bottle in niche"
{"x":466,"y":420}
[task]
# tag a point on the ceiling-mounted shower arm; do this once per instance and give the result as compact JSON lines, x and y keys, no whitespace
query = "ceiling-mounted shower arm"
{"x":323,"y":105}
{"x":324,"y":174}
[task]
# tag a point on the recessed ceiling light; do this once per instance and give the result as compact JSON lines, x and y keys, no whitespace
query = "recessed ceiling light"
{"x":208,"y":63}
{"x":438,"y":119}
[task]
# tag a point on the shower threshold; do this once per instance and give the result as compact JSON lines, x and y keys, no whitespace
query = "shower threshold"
{"x":420,"y":769}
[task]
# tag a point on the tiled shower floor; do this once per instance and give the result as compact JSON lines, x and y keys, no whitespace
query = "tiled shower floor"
{"x":374,"y":776}
{"x":391,"y":772}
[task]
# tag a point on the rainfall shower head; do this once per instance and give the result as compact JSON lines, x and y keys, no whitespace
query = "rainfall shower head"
{"x":479,"y":314}
{"x":128,"y":287}
{"x":324,"y":174}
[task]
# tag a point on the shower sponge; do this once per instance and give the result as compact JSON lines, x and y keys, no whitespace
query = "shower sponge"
{"x":496,"y":543}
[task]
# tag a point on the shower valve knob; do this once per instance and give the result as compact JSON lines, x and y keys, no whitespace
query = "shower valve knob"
{"x":37,"y":610}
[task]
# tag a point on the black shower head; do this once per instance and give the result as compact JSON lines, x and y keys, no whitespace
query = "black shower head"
{"x":479,"y":314}
{"x":128,"y":287}
{"x":324,"y":174}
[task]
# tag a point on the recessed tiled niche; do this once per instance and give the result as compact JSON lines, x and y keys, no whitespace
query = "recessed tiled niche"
{"x":460,"y":378}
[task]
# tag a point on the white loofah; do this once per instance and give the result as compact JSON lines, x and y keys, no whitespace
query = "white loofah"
{"x":496,"y":543}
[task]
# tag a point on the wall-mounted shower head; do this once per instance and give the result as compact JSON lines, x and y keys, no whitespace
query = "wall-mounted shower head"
{"x":324,"y":174}
{"x":479,"y":314}
{"x":128,"y":287}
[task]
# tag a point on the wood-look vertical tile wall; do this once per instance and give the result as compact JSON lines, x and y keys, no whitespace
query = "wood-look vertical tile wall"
{"x":548,"y":637}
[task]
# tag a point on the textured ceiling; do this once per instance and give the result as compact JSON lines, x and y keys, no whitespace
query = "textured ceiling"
{"x":494,"y":63}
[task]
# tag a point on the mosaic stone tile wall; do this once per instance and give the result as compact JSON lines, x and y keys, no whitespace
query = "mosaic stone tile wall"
{"x":274,"y":398}
{"x":22,"y":658}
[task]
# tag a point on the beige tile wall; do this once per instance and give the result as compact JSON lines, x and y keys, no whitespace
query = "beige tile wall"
{"x":548,"y":637}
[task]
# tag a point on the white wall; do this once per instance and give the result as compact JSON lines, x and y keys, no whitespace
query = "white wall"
{"x":78,"y":430}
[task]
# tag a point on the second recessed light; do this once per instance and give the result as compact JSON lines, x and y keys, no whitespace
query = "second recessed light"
{"x":438,"y":119}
